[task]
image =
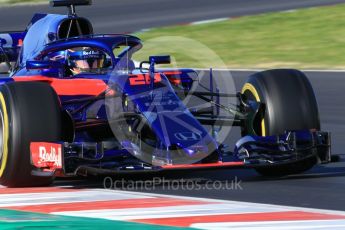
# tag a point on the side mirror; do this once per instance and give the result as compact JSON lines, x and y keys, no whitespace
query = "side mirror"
{"x":39,"y":65}
{"x":153,"y":60}
{"x":160,"y":59}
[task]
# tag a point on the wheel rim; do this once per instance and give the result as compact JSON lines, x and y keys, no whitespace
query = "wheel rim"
{"x":251,"y":93}
{"x":1,"y":135}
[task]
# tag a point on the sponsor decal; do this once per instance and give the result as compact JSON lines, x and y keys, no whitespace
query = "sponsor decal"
{"x":46,"y":155}
{"x":92,"y":54}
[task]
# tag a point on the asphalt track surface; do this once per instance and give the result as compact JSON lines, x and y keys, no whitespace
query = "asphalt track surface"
{"x":120,"y":16}
{"x":321,"y":187}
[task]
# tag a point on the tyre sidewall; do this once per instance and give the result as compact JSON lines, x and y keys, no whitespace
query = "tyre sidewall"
{"x":29,"y":121}
{"x":289,"y":100}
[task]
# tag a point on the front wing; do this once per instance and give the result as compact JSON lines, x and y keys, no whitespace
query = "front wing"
{"x":70,"y":159}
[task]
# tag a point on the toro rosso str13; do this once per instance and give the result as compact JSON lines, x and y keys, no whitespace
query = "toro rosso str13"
{"x":75,"y":103}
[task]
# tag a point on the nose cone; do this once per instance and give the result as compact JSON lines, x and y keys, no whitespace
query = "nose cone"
{"x":181,"y":137}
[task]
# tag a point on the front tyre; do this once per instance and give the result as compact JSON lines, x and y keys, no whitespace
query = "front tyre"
{"x":29,"y":112}
{"x":289,"y":104}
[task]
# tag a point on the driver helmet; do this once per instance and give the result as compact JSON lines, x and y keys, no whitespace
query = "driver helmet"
{"x":85,"y":60}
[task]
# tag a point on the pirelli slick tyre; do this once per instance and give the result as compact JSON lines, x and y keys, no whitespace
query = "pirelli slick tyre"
{"x":289,"y":104}
{"x":29,"y":111}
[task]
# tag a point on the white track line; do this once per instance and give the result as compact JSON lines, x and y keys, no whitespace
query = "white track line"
{"x":170,"y":212}
{"x":209,"y":21}
{"x":242,"y":203}
{"x":273,"y":225}
{"x":24,"y":199}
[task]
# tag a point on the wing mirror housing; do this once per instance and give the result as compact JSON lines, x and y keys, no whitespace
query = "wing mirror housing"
{"x":155,"y":60}
{"x":160,"y":59}
{"x":40,"y":65}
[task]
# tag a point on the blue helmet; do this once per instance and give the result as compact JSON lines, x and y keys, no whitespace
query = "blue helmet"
{"x":84,"y":60}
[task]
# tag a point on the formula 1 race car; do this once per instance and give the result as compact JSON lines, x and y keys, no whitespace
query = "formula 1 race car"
{"x":75,"y":103}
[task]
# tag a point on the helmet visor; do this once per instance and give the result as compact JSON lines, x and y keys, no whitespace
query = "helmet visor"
{"x":88,"y":61}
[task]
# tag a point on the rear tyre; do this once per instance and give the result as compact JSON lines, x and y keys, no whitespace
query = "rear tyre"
{"x":29,"y":111}
{"x":289,"y":104}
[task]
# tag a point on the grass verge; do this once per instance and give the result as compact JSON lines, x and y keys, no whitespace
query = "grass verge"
{"x":7,"y":2}
{"x":306,"y":38}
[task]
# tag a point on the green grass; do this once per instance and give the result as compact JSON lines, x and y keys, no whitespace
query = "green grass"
{"x":6,"y":2}
{"x":307,"y":38}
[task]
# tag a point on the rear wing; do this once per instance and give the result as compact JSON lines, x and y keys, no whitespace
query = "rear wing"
{"x":71,"y":4}
{"x":57,"y":3}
